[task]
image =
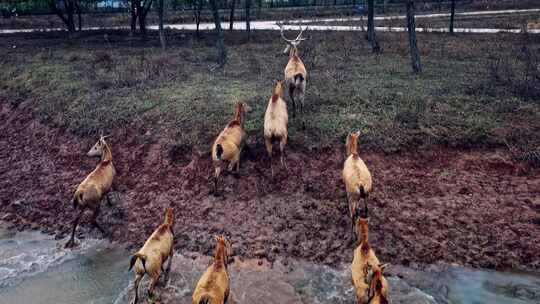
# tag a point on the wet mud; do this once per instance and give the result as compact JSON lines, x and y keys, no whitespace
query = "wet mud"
{"x":467,"y":207}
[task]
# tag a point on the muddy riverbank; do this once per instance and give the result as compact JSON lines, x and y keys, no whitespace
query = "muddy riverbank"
{"x":468,"y":207}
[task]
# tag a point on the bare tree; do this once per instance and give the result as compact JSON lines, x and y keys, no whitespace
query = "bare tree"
{"x":222,"y":52}
{"x":197,"y":6}
{"x":133,"y":11}
{"x":231,"y":17}
{"x":411,"y":27}
{"x":161,"y":31}
{"x":248,"y":29}
{"x":66,"y":14}
{"x":78,"y":10}
{"x":372,"y":38}
{"x":139,"y":11}
{"x":452,"y":13}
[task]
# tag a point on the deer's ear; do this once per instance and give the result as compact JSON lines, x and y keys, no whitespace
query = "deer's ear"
{"x":348,"y":140}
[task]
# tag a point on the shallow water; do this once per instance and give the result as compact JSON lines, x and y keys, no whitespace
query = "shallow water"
{"x":34,"y":268}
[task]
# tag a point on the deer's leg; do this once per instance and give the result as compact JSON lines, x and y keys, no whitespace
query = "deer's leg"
{"x":238,"y":162}
{"x":235,"y":162}
{"x":153,"y":282}
{"x":95,"y":223}
{"x":71,"y":241}
{"x":282,"y":144}
{"x":268,"y":144}
{"x":168,"y":270}
{"x":350,"y":202}
{"x":216,"y":176}
{"x":108,"y":196}
{"x":366,"y":206}
{"x":138,"y":279}
{"x":291,"y":95}
{"x":302,"y":94}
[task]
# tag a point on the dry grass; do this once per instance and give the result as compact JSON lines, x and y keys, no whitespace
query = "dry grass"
{"x":88,"y":85}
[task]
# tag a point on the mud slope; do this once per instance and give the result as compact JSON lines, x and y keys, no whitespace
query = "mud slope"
{"x":466,"y":207}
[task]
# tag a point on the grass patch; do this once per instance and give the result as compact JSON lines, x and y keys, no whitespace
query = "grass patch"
{"x":89,"y":85}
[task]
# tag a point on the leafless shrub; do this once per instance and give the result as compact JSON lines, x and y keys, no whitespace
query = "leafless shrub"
{"x":411,"y":112}
{"x":46,"y":54}
{"x":72,"y":57}
{"x":103,"y":60}
{"x":524,"y":152}
{"x":312,"y":55}
{"x":520,"y":74}
{"x":528,"y":86}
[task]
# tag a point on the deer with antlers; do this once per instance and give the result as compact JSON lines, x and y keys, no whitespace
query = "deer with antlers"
{"x":295,"y":71}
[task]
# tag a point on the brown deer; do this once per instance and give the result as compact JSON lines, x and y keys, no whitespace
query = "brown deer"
{"x":367,"y":273}
{"x":94,"y":187}
{"x":275,"y":124}
{"x":213,"y":287}
{"x":155,"y":252}
{"x":295,"y":71}
{"x":229,"y":144}
{"x":356,"y":177}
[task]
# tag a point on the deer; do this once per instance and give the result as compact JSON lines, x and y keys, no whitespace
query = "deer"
{"x":366,"y":271}
{"x":275,"y":124}
{"x":214,"y":287}
{"x":295,"y":71}
{"x":94,"y":187}
{"x":356,"y":177}
{"x":157,"y":250}
{"x":229,"y":144}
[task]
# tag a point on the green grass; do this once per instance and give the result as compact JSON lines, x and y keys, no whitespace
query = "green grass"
{"x":87,"y":86}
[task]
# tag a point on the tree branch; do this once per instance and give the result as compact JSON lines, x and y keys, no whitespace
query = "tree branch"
{"x":146,"y":8}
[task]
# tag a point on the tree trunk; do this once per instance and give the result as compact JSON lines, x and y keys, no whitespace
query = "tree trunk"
{"x":411,"y":27}
{"x":134,"y":7}
{"x":161,"y":31}
{"x":142,"y":13}
{"x":67,"y":18}
{"x":68,"y":5}
{"x":372,"y":38}
{"x":197,"y":8}
{"x":78,"y":9}
{"x":222,"y":53}
{"x":452,"y":13}
{"x":248,"y":29}
{"x":198,"y":21}
{"x":142,"y":26}
{"x":231,"y":17}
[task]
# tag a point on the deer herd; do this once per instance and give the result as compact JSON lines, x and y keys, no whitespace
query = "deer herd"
{"x":214,"y":286}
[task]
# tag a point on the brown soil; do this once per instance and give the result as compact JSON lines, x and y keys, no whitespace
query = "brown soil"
{"x":468,"y":207}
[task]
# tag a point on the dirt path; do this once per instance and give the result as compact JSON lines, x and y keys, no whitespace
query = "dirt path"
{"x":467,"y":207}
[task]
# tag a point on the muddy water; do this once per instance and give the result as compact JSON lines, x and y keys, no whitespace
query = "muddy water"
{"x":34,"y":268}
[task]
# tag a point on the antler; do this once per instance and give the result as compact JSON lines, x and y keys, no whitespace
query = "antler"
{"x":299,"y":37}
{"x":296,"y":40}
